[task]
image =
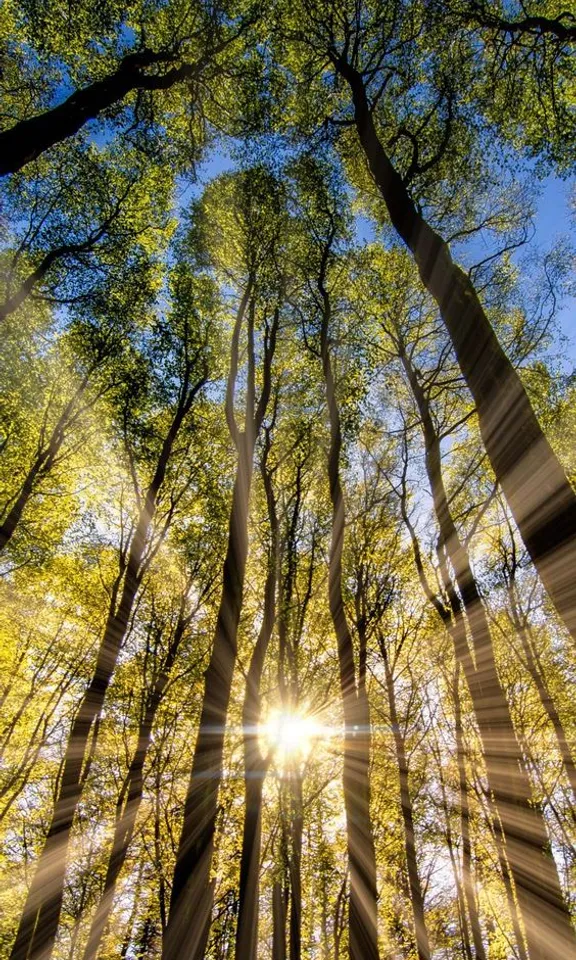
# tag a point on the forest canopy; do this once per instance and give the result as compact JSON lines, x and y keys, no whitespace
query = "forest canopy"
{"x":287,"y":466}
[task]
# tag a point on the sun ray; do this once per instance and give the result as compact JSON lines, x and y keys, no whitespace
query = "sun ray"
{"x":290,"y":735}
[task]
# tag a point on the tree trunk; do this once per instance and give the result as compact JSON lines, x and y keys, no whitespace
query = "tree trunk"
{"x":493,"y":822}
{"x":190,"y":901}
{"x":256,"y":765}
{"x":295,"y":862}
{"x":192,"y":892}
{"x":41,"y":914}
{"x":28,"y":139}
{"x":416,"y":895}
{"x":452,"y":853}
{"x":540,"y":496}
{"x":131,"y":795}
{"x":508,"y":886}
{"x":278,"y":922}
{"x":549,"y":931}
{"x":467,"y":871}
{"x":362,"y":911}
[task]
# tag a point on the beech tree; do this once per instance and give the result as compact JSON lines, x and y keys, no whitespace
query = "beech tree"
{"x":287,"y":517}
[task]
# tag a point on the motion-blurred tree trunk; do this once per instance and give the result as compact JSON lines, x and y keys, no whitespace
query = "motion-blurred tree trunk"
{"x":416,"y":895}
{"x":467,"y":870}
{"x":547,"y":922}
{"x":192,"y":892}
{"x":40,"y":916}
{"x":363,"y":913}
{"x":541,"y":498}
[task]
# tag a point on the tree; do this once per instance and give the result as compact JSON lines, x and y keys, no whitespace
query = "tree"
{"x":183,"y":51}
{"x":506,"y":767}
{"x":40,"y":916}
{"x":363,"y":929}
{"x":286,"y":462}
{"x":192,"y":892}
{"x":533,"y":480}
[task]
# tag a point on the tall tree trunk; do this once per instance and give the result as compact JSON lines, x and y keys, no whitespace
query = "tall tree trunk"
{"x":540,"y":496}
{"x":191,"y":900}
{"x":549,"y":932}
{"x":132,"y":791}
{"x":192,"y":892}
{"x":416,"y":895}
{"x":362,"y":911}
{"x":41,"y":914}
{"x":460,"y":898}
{"x":255,"y":764}
{"x":493,"y":822}
{"x":295,"y":861}
{"x":278,"y":922}
{"x":129,"y":928}
{"x":290,"y":629}
{"x":508,"y":886}
{"x":467,"y":871}
{"x":324,"y":915}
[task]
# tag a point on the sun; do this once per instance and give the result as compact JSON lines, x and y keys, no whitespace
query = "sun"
{"x":290,"y":734}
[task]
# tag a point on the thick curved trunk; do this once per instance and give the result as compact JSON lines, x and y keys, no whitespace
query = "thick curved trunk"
{"x":29,"y":139}
{"x":535,"y":485}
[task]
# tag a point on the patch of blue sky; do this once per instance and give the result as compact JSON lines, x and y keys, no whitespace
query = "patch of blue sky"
{"x":556,"y":219}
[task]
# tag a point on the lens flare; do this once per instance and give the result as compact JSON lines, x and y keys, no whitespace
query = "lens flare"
{"x":290,"y":734}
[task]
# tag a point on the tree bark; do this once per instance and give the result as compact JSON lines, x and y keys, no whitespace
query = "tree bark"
{"x":549,"y":932}
{"x":535,"y":485}
{"x":295,"y":862}
{"x":278,"y":922}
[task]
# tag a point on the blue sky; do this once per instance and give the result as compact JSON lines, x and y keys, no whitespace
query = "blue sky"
{"x":556,"y":217}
